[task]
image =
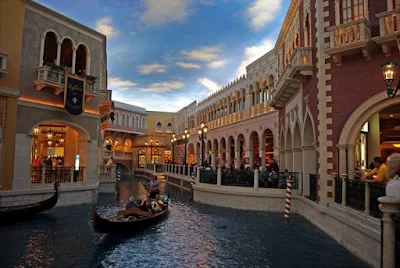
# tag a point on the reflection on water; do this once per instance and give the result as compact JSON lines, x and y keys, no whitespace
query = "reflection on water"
{"x":193,"y":234}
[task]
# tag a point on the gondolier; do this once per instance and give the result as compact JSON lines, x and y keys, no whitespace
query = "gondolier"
{"x":154,"y":187}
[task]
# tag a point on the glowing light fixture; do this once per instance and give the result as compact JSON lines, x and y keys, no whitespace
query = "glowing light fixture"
{"x":397,"y":145}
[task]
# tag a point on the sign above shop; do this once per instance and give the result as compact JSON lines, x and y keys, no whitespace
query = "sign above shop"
{"x":74,"y":94}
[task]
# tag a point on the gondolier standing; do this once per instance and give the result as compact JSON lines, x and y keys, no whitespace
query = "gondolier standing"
{"x":154,"y":187}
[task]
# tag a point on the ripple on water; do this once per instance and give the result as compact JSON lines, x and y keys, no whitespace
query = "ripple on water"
{"x":192,"y":235}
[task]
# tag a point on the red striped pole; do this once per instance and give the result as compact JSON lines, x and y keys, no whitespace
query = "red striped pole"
{"x":288,"y":196}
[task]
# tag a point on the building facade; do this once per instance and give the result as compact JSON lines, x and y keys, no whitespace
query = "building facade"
{"x":334,"y":119}
{"x":57,"y":130}
{"x":120,"y":136}
{"x":11,"y":29}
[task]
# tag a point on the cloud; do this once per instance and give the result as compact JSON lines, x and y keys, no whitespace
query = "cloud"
{"x":210,"y":85}
{"x":163,"y":86}
{"x":151,"y":68}
{"x":188,"y":65}
{"x":252,"y":53}
{"x":161,"y":12}
{"x":117,"y":83}
{"x":261,"y":12}
{"x":104,"y":26}
{"x":206,"y":54}
{"x":217,"y":64}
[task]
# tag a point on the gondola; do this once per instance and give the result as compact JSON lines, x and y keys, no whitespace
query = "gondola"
{"x":127,"y":224}
{"x":18,"y":213}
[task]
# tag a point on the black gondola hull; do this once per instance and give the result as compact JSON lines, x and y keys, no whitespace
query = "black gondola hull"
{"x":102,"y":225}
{"x":20,"y":213}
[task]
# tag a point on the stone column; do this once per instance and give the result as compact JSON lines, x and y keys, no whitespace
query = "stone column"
{"x":219,"y":176}
{"x":220,"y":157}
{"x":262,"y":157}
{"x":22,"y":159}
{"x":41,"y":53}
{"x":390,"y":206}
{"x":289,"y":160}
{"x":342,"y":160}
{"x":373,"y":138}
{"x":73,"y":59}
{"x":198,"y":175}
{"x":237,"y":158}
{"x":351,"y":161}
{"x":88,"y":58}
{"x":256,"y":179}
{"x":282,"y":157}
{"x":228,"y":159}
{"x":58,"y":61}
{"x":212,"y":159}
{"x":297,"y":160}
{"x":247,"y":105}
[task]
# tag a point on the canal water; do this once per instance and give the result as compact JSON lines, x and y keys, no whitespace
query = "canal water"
{"x":193,"y":235}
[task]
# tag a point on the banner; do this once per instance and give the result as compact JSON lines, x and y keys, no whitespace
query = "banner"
{"x":74,"y":94}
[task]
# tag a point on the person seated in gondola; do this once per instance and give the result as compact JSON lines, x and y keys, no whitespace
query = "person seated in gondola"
{"x":131,"y":203}
{"x":142,"y":205}
{"x":157,"y":205}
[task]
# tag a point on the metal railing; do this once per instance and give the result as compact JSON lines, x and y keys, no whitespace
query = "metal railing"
{"x":240,"y":178}
{"x":45,"y":175}
{"x":361,"y":196}
{"x":208,"y":176}
{"x":396,"y":222}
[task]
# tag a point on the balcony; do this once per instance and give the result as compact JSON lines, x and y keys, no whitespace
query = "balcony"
{"x":129,"y":129}
{"x":54,"y":77}
{"x":350,"y":38}
{"x":117,"y":155}
{"x":389,"y":25}
{"x":290,"y":79}
{"x":3,"y":64}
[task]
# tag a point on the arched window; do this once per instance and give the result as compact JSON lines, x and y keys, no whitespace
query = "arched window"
{"x":169,"y":128}
{"x":117,"y":119}
{"x":81,"y":60}
{"x":143,"y":123}
{"x":123,"y":120}
{"x":158,"y":127}
{"x":50,"y":49}
{"x":66,"y":53}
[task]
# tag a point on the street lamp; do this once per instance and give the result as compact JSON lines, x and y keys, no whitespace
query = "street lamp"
{"x":173,"y":142}
{"x":151,"y":148}
{"x":202,"y":130}
{"x":389,"y":70}
{"x":185,"y":137}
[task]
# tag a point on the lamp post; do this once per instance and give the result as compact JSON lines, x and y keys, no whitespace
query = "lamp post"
{"x":389,"y":70}
{"x":202,"y":130}
{"x":173,"y":142}
{"x":151,"y":148}
{"x":185,"y":137}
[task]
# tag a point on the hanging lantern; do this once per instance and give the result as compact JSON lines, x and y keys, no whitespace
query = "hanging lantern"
{"x":49,"y":142}
{"x":62,"y":139}
{"x":50,"y":135}
{"x":36,"y":131}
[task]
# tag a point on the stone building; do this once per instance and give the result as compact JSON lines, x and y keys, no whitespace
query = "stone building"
{"x":62,"y":93}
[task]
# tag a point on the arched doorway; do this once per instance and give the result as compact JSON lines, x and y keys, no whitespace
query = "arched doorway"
{"x":215,"y":154}
{"x":309,"y":154}
{"x":50,"y":49}
{"x":81,"y":63}
{"x":288,"y":151}
{"x":191,"y":157}
{"x":268,"y":145}
{"x":231,"y":156}
{"x":373,"y":111}
{"x":198,"y":154}
{"x":66,"y":54}
{"x":57,"y":149}
{"x":208,"y":153}
{"x":223,"y":152}
{"x":254,"y":150}
{"x":157,"y":156}
{"x":141,"y":158}
{"x":297,"y":155}
{"x":240,"y":142}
